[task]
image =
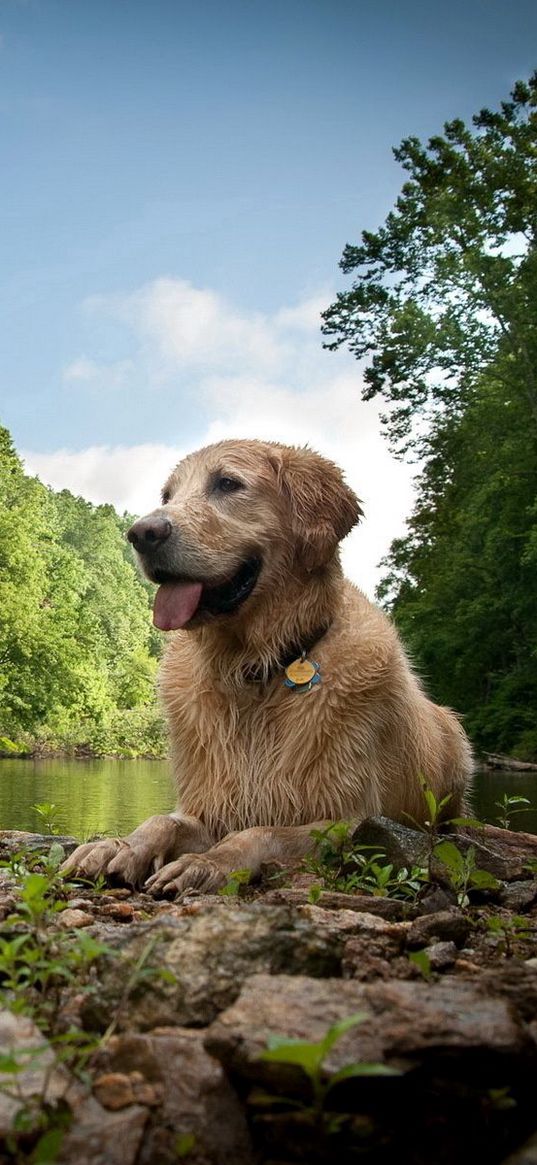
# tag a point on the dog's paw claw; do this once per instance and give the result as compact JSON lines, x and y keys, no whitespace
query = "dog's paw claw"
{"x":91,"y":860}
{"x":191,"y":872}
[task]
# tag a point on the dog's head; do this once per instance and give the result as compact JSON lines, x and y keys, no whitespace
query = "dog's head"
{"x":234,"y":518}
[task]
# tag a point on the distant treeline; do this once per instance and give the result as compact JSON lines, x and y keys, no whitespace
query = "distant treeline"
{"x":78,"y":653}
{"x":443,"y":309}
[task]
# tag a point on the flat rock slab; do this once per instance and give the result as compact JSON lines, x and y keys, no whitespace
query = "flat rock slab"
{"x":502,"y":852}
{"x":12,"y":841}
{"x":390,"y":908}
{"x":207,"y":954}
{"x":404,"y":1023}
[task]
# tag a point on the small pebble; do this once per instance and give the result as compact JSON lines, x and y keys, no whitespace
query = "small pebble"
{"x":121,"y":911}
{"x":114,"y":1090}
{"x":441,"y":955}
{"x":75,"y":918}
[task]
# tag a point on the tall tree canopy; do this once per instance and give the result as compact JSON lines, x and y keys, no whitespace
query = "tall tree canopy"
{"x":444,"y":310}
{"x":77,"y":650}
{"x":450,"y":280}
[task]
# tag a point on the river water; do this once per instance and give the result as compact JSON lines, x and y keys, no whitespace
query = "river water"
{"x":113,"y":796}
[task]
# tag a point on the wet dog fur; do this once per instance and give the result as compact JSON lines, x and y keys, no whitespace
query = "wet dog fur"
{"x":258,"y":765}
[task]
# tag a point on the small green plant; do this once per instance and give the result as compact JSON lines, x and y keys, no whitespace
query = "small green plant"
{"x":36,"y":959}
{"x":462,"y":870}
{"x":236,"y":879}
{"x":37,"y":962}
{"x":48,"y":813}
{"x":507,"y":930}
{"x":309,"y":1056}
{"x":508,"y":806}
{"x":184,"y":1145}
{"x":349,"y":869}
{"x":422,"y":961}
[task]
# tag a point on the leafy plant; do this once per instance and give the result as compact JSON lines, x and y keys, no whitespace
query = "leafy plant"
{"x":462,"y":870}
{"x":422,"y":961}
{"x":48,"y":812}
{"x":236,"y":879}
{"x":350,"y":868}
{"x":506,"y":930}
{"x":36,"y":959}
{"x":309,"y":1056}
{"x":508,"y":806}
{"x":185,"y":1144}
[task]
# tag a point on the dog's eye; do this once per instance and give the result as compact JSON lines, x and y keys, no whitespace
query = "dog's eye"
{"x":227,"y":485}
{"x":165,"y":497}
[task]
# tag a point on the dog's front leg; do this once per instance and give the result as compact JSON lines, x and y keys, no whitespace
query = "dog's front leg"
{"x":132,"y":859}
{"x":247,"y":850}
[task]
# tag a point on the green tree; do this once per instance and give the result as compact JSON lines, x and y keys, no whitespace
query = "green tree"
{"x":444,"y":311}
{"x":78,"y":653}
{"x":451,"y":278}
{"x":463,"y":584}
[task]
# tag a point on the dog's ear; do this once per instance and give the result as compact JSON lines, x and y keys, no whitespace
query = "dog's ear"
{"x":322,"y":506}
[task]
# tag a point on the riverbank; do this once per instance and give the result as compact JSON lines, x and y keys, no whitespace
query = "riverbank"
{"x":32,"y":748}
{"x":157,"y":1031}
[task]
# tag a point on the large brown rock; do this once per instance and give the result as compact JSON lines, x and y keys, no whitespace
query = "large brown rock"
{"x":190,"y":1096}
{"x":95,"y":1137}
{"x":500,"y":852}
{"x":404,"y":1023}
{"x":207,"y":953}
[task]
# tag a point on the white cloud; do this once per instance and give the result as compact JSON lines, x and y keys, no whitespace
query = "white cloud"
{"x":305,"y":315}
{"x":128,"y":476}
{"x":100,"y":375}
{"x":183,"y":326}
{"x":256,"y":375}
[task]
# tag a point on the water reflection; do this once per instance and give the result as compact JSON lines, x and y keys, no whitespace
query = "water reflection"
{"x":93,"y":796}
{"x":113,"y":796}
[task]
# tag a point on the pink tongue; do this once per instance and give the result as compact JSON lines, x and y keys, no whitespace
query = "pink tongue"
{"x":175,"y":604}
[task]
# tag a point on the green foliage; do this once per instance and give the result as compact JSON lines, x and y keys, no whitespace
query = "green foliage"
{"x":505,"y":930}
{"x":444,"y":308}
{"x":449,"y":280}
{"x":510,"y":804}
{"x":36,"y":960}
{"x":357,"y":869}
{"x":462,"y":870}
{"x":361,"y":869}
{"x":309,"y":1056}
{"x":48,"y":814}
{"x":236,"y":879}
{"x":422,"y":961}
{"x":78,"y":653}
{"x":184,"y":1145}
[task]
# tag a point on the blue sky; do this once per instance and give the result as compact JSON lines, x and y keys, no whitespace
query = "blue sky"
{"x":179,"y":181}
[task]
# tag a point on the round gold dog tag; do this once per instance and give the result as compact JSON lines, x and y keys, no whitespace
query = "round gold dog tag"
{"x":301,"y":671}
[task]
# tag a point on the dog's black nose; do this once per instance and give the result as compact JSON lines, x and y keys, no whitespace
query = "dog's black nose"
{"x":148,"y":533}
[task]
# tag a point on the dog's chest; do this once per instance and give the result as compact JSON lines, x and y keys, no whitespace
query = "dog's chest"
{"x":250,"y":757}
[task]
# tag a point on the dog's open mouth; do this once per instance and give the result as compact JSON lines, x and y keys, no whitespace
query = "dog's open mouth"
{"x":178,"y":600}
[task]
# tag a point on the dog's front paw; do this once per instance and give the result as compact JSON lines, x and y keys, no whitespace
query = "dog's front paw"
{"x":115,"y":859}
{"x":91,"y":859}
{"x":191,"y":872}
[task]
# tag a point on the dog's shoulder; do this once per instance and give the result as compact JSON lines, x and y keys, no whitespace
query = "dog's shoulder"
{"x":363,"y":648}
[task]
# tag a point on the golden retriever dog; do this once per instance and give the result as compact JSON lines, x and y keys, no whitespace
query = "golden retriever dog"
{"x":290,"y":701}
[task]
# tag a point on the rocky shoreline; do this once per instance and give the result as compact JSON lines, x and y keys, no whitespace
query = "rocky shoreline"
{"x":143,"y":1037}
